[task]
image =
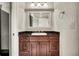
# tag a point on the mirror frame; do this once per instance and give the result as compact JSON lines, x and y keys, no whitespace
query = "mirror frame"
{"x":49,"y":17}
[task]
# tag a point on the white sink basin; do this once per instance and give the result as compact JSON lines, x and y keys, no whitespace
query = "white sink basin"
{"x":39,"y":34}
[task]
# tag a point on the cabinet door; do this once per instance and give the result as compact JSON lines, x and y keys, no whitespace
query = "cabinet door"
{"x":39,"y":46}
{"x":44,"y":48}
{"x":34,"y":48}
{"x":54,"y":47}
{"x":24,"y":46}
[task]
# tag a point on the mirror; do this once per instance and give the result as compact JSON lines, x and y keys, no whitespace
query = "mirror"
{"x":39,"y":19}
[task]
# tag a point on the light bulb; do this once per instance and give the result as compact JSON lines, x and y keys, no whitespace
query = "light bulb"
{"x":38,"y":5}
{"x":45,"y":5}
{"x":32,"y":5}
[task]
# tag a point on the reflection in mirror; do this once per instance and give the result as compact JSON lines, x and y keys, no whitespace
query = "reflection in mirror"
{"x":39,"y":19}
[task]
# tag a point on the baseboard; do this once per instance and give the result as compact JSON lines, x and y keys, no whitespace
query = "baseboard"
{"x":4,"y":52}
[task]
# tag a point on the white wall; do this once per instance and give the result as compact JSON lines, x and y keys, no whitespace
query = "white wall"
{"x":67,"y":26}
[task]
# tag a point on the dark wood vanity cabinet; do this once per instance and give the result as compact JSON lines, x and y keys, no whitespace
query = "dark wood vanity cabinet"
{"x":41,"y":45}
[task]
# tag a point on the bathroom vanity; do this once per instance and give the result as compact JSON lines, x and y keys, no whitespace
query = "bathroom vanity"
{"x":35,"y":43}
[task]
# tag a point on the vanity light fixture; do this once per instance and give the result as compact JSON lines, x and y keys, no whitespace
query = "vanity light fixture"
{"x":39,"y":4}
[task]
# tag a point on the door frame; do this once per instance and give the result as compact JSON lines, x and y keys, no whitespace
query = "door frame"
{"x":0,"y":27}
